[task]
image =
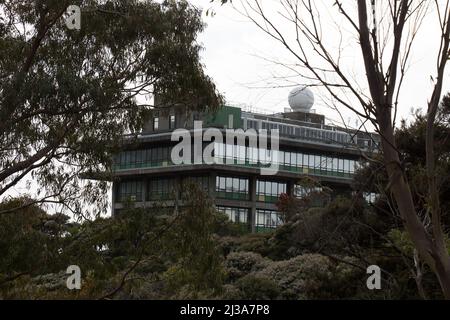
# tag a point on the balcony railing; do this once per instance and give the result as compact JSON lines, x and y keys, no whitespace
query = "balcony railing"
{"x":306,"y":170}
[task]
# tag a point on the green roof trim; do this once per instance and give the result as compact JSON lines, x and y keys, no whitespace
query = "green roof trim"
{"x":223,"y":116}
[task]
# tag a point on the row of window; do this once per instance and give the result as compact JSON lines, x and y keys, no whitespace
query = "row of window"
{"x":271,"y":189}
{"x":284,"y":158}
{"x":232,"y":188}
{"x":226,"y":187}
{"x":160,"y":156}
{"x":329,"y":136}
{"x":157,"y":189}
{"x":237,"y":215}
{"x":302,"y":191}
{"x":130,"y":191}
{"x":232,"y":185}
{"x":265,"y":219}
{"x":161,"y":189}
{"x":137,"y":158}
{"x":238,"y":188}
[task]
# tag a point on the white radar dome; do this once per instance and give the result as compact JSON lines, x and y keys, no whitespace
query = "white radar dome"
{"x":301,"y":99}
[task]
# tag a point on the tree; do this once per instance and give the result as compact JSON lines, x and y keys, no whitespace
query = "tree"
{"x":67,"y":97}
{"x":197,"y":263}
{"x":29,"y":240}
{"x":386,"y":47}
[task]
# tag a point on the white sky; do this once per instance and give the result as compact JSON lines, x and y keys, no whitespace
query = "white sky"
{"x":234,"y":47}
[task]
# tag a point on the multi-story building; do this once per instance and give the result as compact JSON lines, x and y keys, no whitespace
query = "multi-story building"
{"x":146,"y":174}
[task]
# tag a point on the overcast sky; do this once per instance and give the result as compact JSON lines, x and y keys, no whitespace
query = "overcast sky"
{"x":235,"y":48}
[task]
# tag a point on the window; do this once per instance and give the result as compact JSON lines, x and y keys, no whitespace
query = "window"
{"x":299,"y":160}
{"x":269,"y":191}
{"x":129,"y":191}
{"x":242,"y":185}
{"x":346,"y":165}
{"x":303,"y":191}
{"x":352,"y":166}
{"x":293,"y":159}
{"x":335,"y":164}
{"x":341,"y":165}
{"x":172,"y":122}
{"x":310,"y":160}
{"x":160,"y":189}
{"x":222,"y":184}
{"x":232,"y":188}
{"x":317,"y":161}
{"x":155,"y":124}
{"x":236,"y":185}
{"x":202,"y":182}
{"x":370,"y":197}
{"x":267,"y":219}
{"x":237,"y":215}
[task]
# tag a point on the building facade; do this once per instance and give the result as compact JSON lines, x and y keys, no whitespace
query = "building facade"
{"x":309,"y":150}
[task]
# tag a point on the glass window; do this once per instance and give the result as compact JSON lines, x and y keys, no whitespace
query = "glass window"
{"x":130,"y":191}
{"x":274,"y":191}
{"x":287,"y":158}
{"x":155,"y":123}
{"x":316,"y":161}
{"x":267,"y":187}
{"x":299,"y":159}
{"x":267,"y":218}
{"x":281,"y":157}
{"x":261,"y":186}
{"x":346,"y":165}
{"x":237,"y":215}
{"x":293,"y":159}
{"x":235,"y":185}
{"x":172,"y":122}
{"x":242,"y":187}
{"x":222,"y":183}
{"x":329,"y":161}
{"x":335,"y":164}
{"x":232,"y":185}
{"x":229,"y":184}
{"x":310,"y":160}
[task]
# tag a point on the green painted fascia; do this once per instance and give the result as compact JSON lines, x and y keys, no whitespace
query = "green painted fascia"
{"x":220,"y":117}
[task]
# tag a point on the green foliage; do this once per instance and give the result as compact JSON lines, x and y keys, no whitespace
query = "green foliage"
{"x":241,"y":263}
{"x":311,"y":276}
{"x":28,"y":239}
{"x":67,"y":97}
{"x":344,"y":225}
{"x":255,"y":287}
{"x":198,"y":264}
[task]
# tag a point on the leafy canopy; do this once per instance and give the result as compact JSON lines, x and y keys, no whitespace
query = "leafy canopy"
{"x":68,"y":96}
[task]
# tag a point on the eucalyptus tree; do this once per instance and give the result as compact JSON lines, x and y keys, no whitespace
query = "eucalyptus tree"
{"x":67,"y":95}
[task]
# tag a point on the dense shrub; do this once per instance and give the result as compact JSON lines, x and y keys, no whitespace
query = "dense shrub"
{"x":239,"y":264}
{"x":311,"y":276}
{"x":256,"y":287}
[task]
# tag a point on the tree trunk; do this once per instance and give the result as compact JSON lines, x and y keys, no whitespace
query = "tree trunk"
{"x":438,"y":260}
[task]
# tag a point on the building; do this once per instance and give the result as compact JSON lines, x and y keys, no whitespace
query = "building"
{"x":308,"y":148}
